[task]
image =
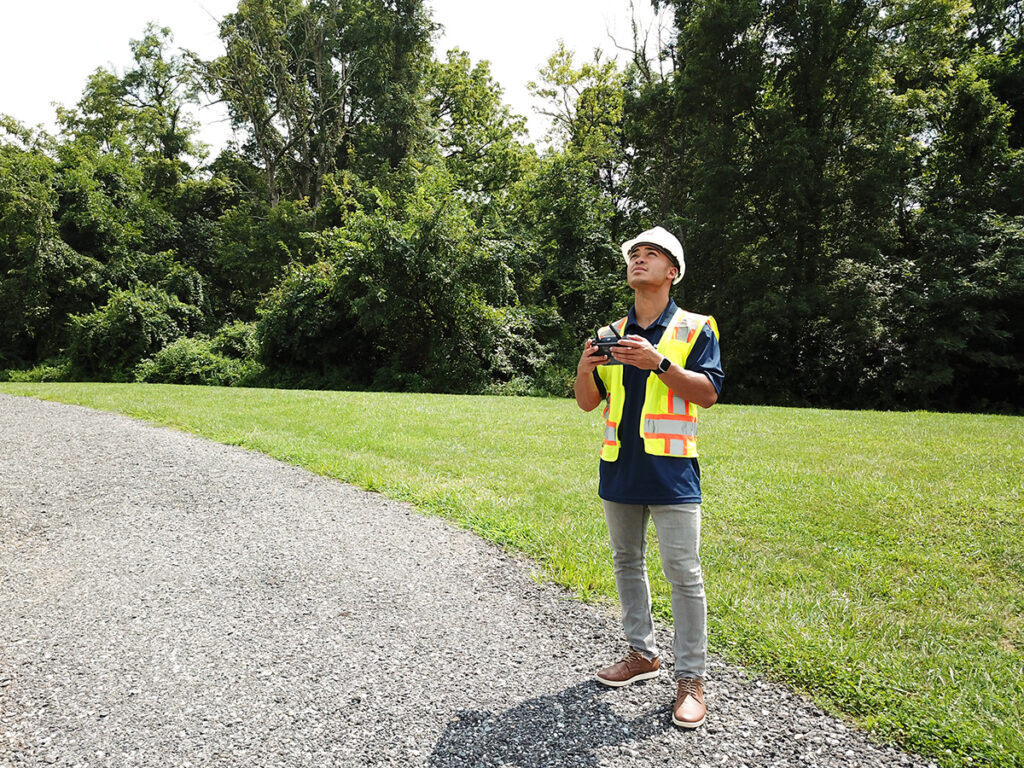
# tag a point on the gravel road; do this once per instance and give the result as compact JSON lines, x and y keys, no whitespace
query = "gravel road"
{"x":167,"y":601}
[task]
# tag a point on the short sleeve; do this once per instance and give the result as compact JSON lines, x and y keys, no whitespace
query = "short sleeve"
{"x":706,"y":357}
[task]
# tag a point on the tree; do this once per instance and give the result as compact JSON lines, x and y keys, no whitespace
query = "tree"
{"x":962,"y":328}
{"x":321,"y":85}
{"x":42,"y":279}
{"x":568,"y":211}
{"x":407,"y":295}
{"x":133,"y":324}
{"x":142,"y":113}
{"x":585,"y":106}
{"x":772,"y":145}
{"x":476,"y":133}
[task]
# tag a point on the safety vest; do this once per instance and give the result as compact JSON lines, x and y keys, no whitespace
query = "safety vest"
{"x":668,"y":423}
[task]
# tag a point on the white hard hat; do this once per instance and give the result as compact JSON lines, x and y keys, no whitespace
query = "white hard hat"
{"x":662,"y":239}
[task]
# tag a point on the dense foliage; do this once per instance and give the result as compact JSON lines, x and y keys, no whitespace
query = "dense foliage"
{"x":847,"y":177}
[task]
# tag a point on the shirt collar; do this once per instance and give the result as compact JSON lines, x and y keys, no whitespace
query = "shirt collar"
{"x":663,"y":320}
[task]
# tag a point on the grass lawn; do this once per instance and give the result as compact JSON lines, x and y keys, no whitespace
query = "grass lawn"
{"x":872,"y":560}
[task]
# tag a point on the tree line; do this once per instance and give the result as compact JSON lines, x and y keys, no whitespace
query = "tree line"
{"x":847,"y":177}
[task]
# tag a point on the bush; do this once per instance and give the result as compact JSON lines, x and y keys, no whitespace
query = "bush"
{"x":237,"y":340}
{"x":304,"y":320}
{"x":132,"y":325}
{"x":412,"y":296}
{"x":195,"y":361}
{"x":555,"y":380}
{"x":169,"y":275}
{"x":51,"y":370}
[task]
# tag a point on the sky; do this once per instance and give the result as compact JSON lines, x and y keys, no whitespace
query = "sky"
{"x":48,"y":48}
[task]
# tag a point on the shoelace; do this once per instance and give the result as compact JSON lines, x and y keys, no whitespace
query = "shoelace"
{"x":634,"y":655}
{"x":688,"y":685}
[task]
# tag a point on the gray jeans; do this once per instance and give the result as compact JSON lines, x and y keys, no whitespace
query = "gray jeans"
{"x":678,"y":527}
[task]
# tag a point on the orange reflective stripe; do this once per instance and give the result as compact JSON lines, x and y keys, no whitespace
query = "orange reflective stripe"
{"x":610,"y":427}
{"x":677,"y":404}
{"x":675,"y":445}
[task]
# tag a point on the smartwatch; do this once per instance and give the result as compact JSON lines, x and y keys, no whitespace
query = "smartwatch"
{"x":664,"y":365}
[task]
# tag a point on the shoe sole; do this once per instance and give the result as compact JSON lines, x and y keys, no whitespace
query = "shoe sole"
{"x":634,"y":679}
{"x":688,"y":724}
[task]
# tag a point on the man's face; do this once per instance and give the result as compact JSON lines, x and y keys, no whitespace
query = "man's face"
{"x":649,"y":266}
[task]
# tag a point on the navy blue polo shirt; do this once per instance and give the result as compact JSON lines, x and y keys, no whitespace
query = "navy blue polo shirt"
{"x":637,"y":477}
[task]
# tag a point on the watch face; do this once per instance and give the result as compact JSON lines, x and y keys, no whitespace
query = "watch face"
{"x":664,"y":365}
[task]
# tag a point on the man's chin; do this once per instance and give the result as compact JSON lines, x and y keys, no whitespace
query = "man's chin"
{"x":640,"y":281}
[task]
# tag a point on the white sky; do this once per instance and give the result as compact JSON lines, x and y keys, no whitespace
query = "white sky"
{"x":48,"y":48}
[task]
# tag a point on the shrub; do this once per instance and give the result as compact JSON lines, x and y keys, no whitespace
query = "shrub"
{"x":237,"y":340}
{"x":50,"y":370}
{"x":132,"y":325}
{"x":195,"y":361}
{"x":303,"y":321}
{"x":411,"y":296}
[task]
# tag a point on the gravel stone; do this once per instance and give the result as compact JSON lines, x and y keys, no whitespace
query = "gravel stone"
{"x":169,"y":601}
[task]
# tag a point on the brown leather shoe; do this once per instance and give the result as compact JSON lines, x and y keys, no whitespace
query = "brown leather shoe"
{"x":632,"y":668}
{"x":689,"y":711}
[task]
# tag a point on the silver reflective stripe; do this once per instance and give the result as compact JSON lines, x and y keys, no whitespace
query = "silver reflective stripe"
{"x":689,"y":323}
{"x":678,"y":404}
{"x":670,"y":427}
{"x":681,"y":322}
{"x":609,"y":432}
{"x":676,"y":447}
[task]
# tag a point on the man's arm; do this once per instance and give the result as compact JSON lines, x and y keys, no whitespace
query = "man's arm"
{"x":690,"y":385}
{"x":588,"y":396}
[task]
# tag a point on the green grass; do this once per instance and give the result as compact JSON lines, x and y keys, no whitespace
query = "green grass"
{"x":872,"y":560}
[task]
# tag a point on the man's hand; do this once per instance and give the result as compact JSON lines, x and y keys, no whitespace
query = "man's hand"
{"x":637,"y":351}
{"x":590,"y":359}
{"x":588,"y":397}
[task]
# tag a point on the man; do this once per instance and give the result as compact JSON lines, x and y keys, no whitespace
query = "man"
{"x":671,"y":367}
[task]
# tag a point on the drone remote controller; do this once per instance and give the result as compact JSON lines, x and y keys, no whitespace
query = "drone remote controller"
{"x":604,"y":345}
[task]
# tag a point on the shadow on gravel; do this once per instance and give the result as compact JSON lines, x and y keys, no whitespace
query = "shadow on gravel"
{"x":562,"y":729}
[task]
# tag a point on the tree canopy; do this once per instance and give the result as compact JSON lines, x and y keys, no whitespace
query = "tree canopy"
{"x":846,"y":178}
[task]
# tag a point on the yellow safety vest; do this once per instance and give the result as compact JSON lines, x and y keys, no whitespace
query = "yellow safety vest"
{"x":668,"y":423}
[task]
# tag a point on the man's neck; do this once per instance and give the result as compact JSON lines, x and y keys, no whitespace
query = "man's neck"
{"x":648,"y":306}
